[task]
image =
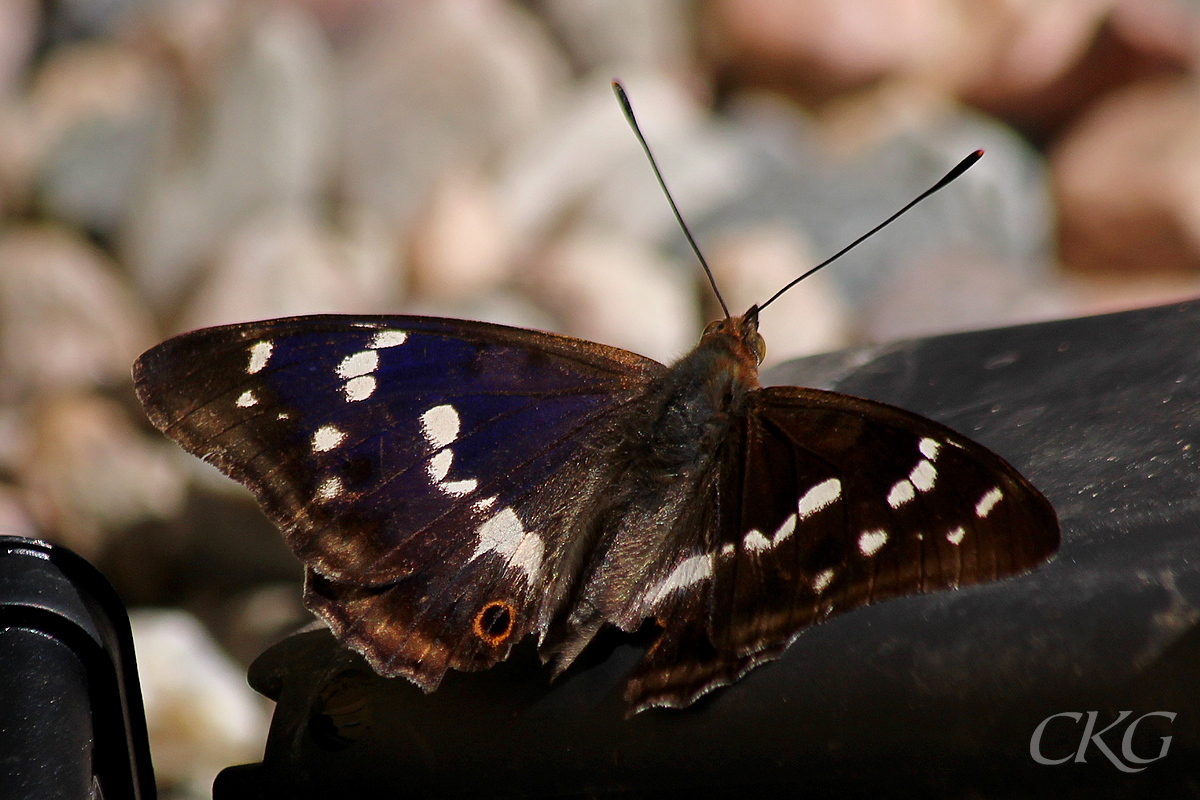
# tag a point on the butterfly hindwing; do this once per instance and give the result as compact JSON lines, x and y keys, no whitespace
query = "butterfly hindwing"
{"x":423,"y":469}
{"x":830,"y":502}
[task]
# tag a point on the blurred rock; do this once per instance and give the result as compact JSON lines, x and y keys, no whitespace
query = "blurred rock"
{"x":266,"y":142}
{"x":437,"y":86}
{"x":287,"y":263}
{"x":201,"y":714}
{"x":1127,"y":179}
{"x":586,"y":145}
{"x":461,"y":247}
{"x":967,"y":290}
{"x":619,"y":34}
{"x":1034,"y":64}
{"x":68,"y":21}
{"x":752,"y":263}
{"x":502,"y":307}
{"x":1054,"y":60}
{"x":622,"y":294}
{"x":14,"y":517}
{"x":66,"y":319}
{"x":192,"y":39}
{"x":832,"y":187}
{"x":262,"y":616}
{"x":818,"y":49}
{"x":88,"y":472}
{"x":18,"y":35}
{"x":97,"y":110}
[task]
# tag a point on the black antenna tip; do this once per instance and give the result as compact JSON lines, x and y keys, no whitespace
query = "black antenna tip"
{"x":962,"y":167}
{"x":623,"y":99}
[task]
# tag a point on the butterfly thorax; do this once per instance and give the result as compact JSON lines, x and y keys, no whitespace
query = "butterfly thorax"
{"x":688,"y":409}
{"x":668,"y":457}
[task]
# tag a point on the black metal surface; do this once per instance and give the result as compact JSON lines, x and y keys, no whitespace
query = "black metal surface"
{"x":71,"y":717}
{"x":932,"y":696}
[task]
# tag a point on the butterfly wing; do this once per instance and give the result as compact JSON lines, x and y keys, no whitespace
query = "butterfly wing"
{"x":827,"y":503}
{"x":428,"y":472}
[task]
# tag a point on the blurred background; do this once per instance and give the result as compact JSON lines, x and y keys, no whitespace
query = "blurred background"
{"x":170,"y":164}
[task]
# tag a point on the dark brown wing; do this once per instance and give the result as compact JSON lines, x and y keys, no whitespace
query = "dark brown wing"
{"x":827,"y":503}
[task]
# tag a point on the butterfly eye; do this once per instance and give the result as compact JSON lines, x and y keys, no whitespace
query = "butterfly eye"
{"x":494,"y":622}
{"x":760,"y":346}
{"x":713,"y":326}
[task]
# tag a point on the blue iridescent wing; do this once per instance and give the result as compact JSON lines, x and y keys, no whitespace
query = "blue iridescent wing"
{"x":432,"y":474}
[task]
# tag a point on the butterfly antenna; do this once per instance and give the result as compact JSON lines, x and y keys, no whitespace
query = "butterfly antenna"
{"x":962,"y":167}
{"x":628,"y":109}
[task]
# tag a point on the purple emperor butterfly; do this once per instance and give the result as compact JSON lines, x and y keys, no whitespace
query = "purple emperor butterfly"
{"x":454,"y":486}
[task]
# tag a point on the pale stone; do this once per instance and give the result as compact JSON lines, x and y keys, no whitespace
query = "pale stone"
{"x":438,"y":86}
{"x":266,"y":143}
{"x":753,"y":263}
{"x":66,"y":319}
{"x":586,"y":160}
{"x":619,"y":34}
{"x":96,"y":109}
{"x":1127,"y":179}
{"x":88,"y":472}
{"x":461,"y":247}
{"x":290,"y":263}
{"x":200,"y":713}
{"x":622,"y":294}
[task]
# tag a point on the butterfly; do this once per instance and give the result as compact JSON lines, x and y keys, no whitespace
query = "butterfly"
{"x":455,"y":486}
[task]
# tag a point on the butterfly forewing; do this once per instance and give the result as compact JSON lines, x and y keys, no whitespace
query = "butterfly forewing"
{"x":420,"y":467}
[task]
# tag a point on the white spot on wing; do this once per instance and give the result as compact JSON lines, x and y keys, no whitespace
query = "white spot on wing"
{"x":485,"y":503}
{"x":246,"y":399}
{"x":503,"y":534}
{"x":929,"y":448}
{"x":988,"y":502}
{"x":822,"y":580}
{"x":528,"y":556}
{"x":260,"y":354}
{"x":869,"y":542}
{"x":923,"y":475}
{"x":439,"y":466}
{"x":459,"y":488}
{"x":727,"y":548}
{"x":361,"y":363}
{"x":786,"y":529}
{"x":329,"y":488}
{"x":387,"y":339}
{"x":755,"y":541}
{"x":956,"y":536}
{"x":819,"y":497}
{"x":901,"y":493}
{"x":326,"y":438}
{"x":440,"y":426}
{"x":359,"y":388}
{"x":687,"y":572}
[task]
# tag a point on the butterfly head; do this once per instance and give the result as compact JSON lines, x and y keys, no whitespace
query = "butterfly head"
{"x":742,"y":336}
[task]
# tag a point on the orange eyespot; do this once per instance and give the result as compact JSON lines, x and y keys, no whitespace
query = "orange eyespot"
{"x":495,"y":621}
